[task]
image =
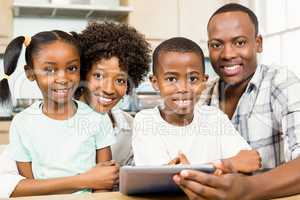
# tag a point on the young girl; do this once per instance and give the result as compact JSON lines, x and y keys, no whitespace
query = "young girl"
{"x":115,"y":59}
{"x":116,"y":75}
{"x":57,"y":137}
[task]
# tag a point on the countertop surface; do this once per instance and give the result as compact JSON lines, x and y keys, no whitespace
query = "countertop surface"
{"x":119,"y":196}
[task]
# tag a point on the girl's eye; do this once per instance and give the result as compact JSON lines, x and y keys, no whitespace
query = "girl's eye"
{"x":120,"y":81}
{"x":73,"y":68}
{"x":49,"y":70}
{"x":240,"y":43}
{"x":171,"y":79}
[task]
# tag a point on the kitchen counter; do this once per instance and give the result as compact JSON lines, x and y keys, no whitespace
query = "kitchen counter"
{"x":119,"y":196}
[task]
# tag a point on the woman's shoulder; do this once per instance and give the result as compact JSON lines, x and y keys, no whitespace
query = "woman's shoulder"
{"x":147,"y":113}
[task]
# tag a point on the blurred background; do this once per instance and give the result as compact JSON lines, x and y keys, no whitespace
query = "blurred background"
{"x":157,"y":19}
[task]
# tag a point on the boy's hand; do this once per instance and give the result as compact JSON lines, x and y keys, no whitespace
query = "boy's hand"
{"x":101,"y":177}
{"x":180,"y":159}
{"x":246,"y":161}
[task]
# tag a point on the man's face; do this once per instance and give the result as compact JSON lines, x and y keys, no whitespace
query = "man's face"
{"x":233,"y":45}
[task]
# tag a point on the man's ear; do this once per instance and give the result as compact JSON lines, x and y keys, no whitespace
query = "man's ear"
{"x":154,"y":82}
{"x":29,"y":73}
{"x":259,"y":43}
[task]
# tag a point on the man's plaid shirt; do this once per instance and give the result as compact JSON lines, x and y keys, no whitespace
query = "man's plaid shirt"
{"x":267,"y":114}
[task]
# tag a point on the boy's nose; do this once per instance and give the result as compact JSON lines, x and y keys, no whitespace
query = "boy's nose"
{"x":182,"y":86}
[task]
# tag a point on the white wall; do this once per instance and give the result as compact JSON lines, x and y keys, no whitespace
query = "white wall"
{"x":20,"y":86}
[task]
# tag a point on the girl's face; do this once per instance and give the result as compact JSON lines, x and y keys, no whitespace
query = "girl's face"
{"x":56,"y":69}
{"x":106,"y":84}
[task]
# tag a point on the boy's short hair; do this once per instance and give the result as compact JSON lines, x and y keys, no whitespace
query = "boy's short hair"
{"x":177,"y":44}
{"x":235,"y":7}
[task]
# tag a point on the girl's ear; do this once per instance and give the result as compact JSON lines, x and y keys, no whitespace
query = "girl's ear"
{"x":154,"y":82}
{"x":29,"y":72}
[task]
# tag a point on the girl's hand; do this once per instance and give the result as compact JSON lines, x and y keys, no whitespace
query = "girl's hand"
{"x":246,"y":161}
{"x":101,"y":177}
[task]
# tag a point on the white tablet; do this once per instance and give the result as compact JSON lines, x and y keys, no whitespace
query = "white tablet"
{"x":154,"y":179}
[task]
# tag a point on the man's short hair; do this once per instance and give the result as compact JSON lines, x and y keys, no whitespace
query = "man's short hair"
{"x":234,"y":7}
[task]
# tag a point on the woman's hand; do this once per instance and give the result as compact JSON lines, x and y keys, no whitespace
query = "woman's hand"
{"x":246,"y":161}
{"x":101,"y":177}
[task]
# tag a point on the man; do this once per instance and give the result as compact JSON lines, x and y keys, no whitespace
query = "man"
{"x":263,"y":104}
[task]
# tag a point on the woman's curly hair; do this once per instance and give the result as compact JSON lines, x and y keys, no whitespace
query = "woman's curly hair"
{"x":104,"y":40}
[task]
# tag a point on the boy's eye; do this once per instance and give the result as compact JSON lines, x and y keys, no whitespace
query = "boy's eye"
{"x":240,"y":43}
{"x":193,"y":79}
{"x":171,"y":79}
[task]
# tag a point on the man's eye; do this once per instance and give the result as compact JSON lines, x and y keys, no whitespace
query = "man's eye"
{"x":215,"y":45}
{"x":240,"y":43}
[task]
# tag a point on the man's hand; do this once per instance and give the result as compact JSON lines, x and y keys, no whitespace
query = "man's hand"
{"x":199,"y":186}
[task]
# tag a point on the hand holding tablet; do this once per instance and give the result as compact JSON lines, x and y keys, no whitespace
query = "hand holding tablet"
{"x":154,"y":179}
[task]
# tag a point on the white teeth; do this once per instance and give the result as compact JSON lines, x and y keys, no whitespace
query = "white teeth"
{"x":233,"y":67}
{"x":104,"y":100}
{"x":183,"y":102}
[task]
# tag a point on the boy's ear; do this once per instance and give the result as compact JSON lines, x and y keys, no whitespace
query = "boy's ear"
{"x":154,"y":82}
{"x":206,"y":77}
{"x":29,"y":72}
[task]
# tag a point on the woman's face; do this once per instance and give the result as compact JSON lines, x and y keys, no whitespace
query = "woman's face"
{"x":106,"y":84}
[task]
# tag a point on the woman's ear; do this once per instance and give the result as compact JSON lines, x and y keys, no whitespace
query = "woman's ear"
{"x":29,"y":73}
{"x":154,"y":82}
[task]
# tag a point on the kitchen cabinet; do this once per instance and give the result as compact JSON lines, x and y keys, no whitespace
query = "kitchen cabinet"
{"x":82,"y":11}
{"x":4,"y":129}
{"x":6,"y":18}
{"x":157,"y":19}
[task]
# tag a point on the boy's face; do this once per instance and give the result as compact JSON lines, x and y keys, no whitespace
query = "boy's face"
{"x":180,"y":79}
{"x":233,"y":45}
{"x":106,"y":84}
{"x":56,"y":69}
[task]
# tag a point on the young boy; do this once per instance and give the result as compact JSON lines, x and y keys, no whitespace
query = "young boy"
{"x":166,"y":133}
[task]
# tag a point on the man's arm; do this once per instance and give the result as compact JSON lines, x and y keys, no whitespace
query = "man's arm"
{"x":281,"y":181}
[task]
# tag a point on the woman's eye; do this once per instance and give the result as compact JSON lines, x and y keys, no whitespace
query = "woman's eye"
{"x":98,"y":76}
